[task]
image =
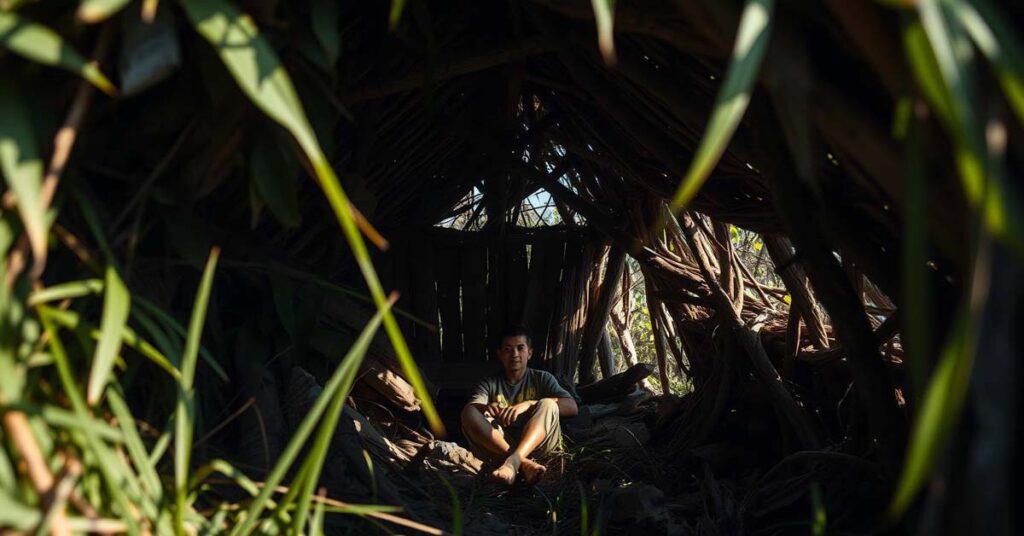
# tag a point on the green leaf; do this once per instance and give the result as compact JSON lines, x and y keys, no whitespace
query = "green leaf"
{"x":939,"y":412}
{"x":604,"y":18}
{"x":16,"y":515}
{"x":332,"y":391}
{"x":260,"y":75}
{"x":176,"y":328}
{"x":951,"y":61}
{"x":136,"y":448}
{"x":61,"y":418}
{"x":326,"y":19}
{"x":21,"y":165}
{"x":41,"y":44}
{"x":116,"y":304}
{"x":185,"y":410}
{"x":93,"y":11}
{"x":71,"y":320}
{"x":274,"y":174}
{"x":733,"y":97}
{"x":64,"y":291}
{"x":998,"y":42}
{"x":316,"y":525}
{"x":114,"y":473}
{"x":395,"y":14}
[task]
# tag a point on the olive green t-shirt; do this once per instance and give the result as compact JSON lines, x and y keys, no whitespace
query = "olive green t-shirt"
{"x":535,"y":385}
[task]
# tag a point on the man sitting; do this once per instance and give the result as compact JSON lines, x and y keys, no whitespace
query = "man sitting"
{"x":515,"y":413}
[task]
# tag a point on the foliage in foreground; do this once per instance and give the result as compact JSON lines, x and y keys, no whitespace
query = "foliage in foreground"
{"x":74,"y":457}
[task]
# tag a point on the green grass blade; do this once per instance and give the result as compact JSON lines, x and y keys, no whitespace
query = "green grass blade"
{"x":162,"y":443}
{"x":456,"y":506}
{"x":395,"y":13}
{"x":177,"y":328}
{"x":316,"y":524}
{"x":61,"y":418}
{"x":71,"y":320}
{"x":318,"y":453}
{"x":946,"y":396}
{"x":1000,"y":45}
{"x":64,"y":291}
{"x":160,"y":338}
{"x":116,"y":305}
{"x":113,"y":478}
{"x":185,"y":410}
{"x":956,"y":106}
{"x":41,"y":44}
{"x":15,"y":515}
{"x":733,"y":97}
{"x":331,"y":390}
{"x":228,"y":470}
{"x":259,"y":73}
{"x":940,"y":409}
{"x":136,"y":448}
{"x":20,"y":163}
{"x":93,"y":11}
{"x":604,"y":18}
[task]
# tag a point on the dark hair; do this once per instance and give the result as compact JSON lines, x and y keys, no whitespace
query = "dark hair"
{"x":513,"y":331}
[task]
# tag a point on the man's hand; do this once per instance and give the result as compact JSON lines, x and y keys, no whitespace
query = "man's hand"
{"x":508,"y":415}
{"x":492,"y":410}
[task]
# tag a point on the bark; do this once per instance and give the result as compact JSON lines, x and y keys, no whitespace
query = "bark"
{"x":781,"y":398}
{"x":792,"y":273}
{"x":598,"y":314}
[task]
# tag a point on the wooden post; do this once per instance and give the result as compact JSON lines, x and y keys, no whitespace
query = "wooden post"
{"x":598,"y":314}
{"x":606,"y":359}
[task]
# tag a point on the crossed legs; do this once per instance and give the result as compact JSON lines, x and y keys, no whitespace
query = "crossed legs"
{"x":541,"y":433}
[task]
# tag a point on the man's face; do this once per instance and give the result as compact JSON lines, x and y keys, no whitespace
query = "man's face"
{"x":513,"y":353}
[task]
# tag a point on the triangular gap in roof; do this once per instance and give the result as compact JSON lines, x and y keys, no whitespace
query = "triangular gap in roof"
{"x":537,"y":208}
{"x":521,"y":201}
{"x":468,"y":213}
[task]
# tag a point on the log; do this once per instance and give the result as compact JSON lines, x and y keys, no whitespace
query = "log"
{"x":615,"y":387}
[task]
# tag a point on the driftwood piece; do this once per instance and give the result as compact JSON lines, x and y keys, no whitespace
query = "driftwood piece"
{"x":615,"y":387}
{"x":391,"y":386}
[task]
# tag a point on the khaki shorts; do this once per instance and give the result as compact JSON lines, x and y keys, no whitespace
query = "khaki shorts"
{"x":547,"y":411}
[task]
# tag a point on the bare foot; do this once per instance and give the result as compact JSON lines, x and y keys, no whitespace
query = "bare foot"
{"x":508,"y":470}
{"x":532,"y":471}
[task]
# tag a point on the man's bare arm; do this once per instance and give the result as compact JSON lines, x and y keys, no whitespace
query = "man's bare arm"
{"x":567,"y":407}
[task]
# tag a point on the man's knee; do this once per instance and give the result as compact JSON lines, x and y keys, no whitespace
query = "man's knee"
{"x":470,"y":415}
{"x":546,"y":405}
